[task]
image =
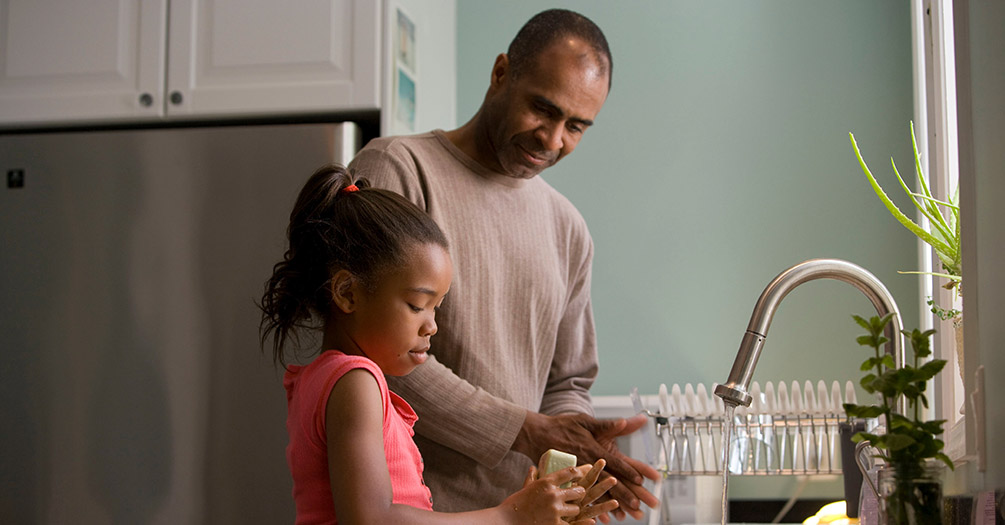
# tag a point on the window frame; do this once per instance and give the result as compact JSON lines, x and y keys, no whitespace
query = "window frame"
{"x":936,"y":129}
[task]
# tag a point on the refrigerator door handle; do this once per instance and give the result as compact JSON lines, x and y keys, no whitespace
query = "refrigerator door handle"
{"x":346,"y":140}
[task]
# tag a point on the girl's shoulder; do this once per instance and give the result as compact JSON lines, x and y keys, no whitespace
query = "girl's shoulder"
{"x":331,"y":360}
{"x":333,"y":364}
{"x":326,"y":369}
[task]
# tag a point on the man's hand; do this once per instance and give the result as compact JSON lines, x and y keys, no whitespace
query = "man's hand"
{"x":590,"y":439}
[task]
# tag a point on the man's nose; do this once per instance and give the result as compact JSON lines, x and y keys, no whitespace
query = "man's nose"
{"x":550,"y":135}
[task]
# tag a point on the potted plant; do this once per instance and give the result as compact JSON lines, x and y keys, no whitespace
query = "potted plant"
{"x":943,"y":234}
{"x":910,"y":491}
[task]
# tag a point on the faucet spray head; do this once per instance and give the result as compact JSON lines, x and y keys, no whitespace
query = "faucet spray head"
{"x":734,"y":391}
{"x":733,"y":396}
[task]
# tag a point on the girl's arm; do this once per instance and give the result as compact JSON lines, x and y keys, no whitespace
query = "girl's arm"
{"x":361,"y":485}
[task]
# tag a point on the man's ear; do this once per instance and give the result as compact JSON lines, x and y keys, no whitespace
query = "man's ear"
{"x":500,"y":71}
{"x":345,"y":290}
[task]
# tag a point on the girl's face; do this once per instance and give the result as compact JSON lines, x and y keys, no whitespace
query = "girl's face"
{"x":393,"y":324}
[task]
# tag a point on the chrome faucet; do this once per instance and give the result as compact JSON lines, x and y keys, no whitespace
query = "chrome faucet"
{"x":734,"y":391}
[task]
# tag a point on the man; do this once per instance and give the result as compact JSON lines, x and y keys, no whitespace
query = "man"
{"x":515,"y":355}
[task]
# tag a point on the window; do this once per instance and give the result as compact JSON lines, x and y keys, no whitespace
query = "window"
{"x":936,"y":130}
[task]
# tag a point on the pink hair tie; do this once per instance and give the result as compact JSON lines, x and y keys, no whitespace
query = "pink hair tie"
{"x":350,"y":188}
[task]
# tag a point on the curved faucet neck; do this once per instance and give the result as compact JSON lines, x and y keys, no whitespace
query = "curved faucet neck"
{"x":734,"y":391}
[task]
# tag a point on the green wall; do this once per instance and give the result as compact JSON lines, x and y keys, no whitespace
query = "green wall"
{"x":721,"y":158}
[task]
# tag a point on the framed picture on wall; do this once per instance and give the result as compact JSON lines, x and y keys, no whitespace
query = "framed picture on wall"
{"x":404,"y":72}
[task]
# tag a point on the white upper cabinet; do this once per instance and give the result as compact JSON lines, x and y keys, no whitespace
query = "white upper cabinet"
{"x":68,"y":62}
{"x":71,"y":61}
{"x":234,"y":57}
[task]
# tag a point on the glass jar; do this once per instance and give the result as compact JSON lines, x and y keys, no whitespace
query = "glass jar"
{"x":910,"y":496}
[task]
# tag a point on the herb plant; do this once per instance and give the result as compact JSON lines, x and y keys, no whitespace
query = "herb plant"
{"x":908,"y":441}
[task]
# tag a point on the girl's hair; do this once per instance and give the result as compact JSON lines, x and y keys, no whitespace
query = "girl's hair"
{"x":337,"y":223}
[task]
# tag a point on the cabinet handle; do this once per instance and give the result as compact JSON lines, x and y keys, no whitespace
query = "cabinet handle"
{"x":146,"y":100}
{"x":176,"y":97}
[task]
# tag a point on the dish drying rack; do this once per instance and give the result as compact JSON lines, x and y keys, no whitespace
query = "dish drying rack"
{"x":791,"y":430}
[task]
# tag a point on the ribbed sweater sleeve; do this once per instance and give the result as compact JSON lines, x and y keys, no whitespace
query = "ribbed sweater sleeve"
{"x":460,"y":416}
{"x":574,"y":365}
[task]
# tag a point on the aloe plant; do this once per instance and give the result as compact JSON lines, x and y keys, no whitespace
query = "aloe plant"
{"x":944,"y":232}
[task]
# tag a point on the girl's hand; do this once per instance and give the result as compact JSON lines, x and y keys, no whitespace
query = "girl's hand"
{"x":588,"y":509}
{"x":543,"y":501}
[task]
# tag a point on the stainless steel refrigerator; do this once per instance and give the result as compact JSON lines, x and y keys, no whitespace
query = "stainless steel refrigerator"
{"x":133,"y":386}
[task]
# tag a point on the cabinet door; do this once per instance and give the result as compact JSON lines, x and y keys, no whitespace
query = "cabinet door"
{"x":232,"y":57}
{"x":65,"y":62}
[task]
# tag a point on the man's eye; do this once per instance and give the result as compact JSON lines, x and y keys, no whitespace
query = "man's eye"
{"x":414,"y":308}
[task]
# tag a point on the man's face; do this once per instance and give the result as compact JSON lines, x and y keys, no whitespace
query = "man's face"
{"x":537,"y":118}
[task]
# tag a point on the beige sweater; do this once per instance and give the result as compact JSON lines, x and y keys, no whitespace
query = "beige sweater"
{"x":516,"y":329}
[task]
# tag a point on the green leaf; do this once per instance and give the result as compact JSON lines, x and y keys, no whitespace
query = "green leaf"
{"x":920,"y":341}
{"x":898,"y":441}
{"x":866,"y":411}
{"x":891,"y":383}
{"x":868,"y":382}
{"x":945,"y":459}
{"x":928,"y":445}
{"x":899,"y":417}
{"x":898,"y":422}
{"x":885,"y":321}
{"x":933,"y":427}
{"x":929,"y":369}
{"x":929,"y":200}
{"x":862,"y":322}
{"x":933,"y":214}
{"x":865,"y":436}
{"x":956,"y":278}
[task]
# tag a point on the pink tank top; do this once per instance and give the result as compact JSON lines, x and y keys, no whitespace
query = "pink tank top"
{"x":307,"y":391}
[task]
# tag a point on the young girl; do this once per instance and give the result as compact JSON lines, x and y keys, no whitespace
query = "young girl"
{"x":369,"y":269}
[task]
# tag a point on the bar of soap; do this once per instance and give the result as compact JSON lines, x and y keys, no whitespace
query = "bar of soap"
{"x":554,"y":460}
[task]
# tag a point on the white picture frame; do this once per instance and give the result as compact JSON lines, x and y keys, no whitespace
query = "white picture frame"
{"x":404,"y":71}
